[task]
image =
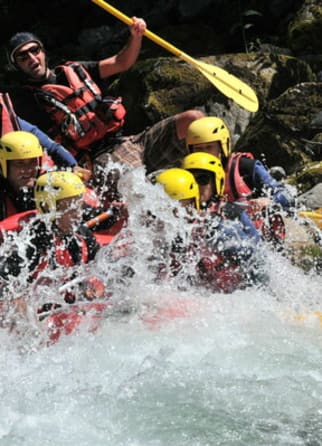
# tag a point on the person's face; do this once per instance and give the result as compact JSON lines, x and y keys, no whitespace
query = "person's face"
{"x":31,"y":59}
{"x":69,"y":214}
{"x":22,"y":173}
{"x":213,"y":148}
{"x":206,"y":185}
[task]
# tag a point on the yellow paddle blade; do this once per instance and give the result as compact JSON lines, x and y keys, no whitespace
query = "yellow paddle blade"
{"x":315,"y":216}
{"x":226,"y":83}
{"x":230,"y":86}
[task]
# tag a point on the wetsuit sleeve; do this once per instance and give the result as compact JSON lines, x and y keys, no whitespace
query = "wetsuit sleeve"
{"x":230,"y":240}
{"x":58,"y":153}
{"x":233,"y":211}
{"x":280,"y":193}
{"x":249,"y":226}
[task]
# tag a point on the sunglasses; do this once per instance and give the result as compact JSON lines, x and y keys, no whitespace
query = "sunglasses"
{"x":203,"y":178}
{"x":23,"y":56}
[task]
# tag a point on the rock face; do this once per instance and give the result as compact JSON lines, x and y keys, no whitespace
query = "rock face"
{"x":285,"y":128}
{"x":305,"y":28}
{"x":288,"y":129}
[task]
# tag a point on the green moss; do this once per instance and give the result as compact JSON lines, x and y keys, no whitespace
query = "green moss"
{"x":309,"y":175}
{"x":312,"y":251}
{"x":308,"y":258}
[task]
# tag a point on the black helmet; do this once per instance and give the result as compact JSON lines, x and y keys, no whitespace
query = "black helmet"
{"x":18,"y":40}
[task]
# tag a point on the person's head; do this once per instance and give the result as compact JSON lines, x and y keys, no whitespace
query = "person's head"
{"x":26,"y":53}
{"x":60,"y":194}
{"x":20,"y":159}
{"x":278,"y":173}
{"x":208,"y":172}
{"x":180,"y":185}
{"x":209,"y":134}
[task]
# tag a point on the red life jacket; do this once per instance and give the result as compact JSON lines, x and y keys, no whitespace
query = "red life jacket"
{"x":236,"y":189}
{"x":14,"y":221}
{"x":62,"y":255}
{"x":219,"y":274}
{"x":273,"y":229}
{"x":79,"y":111}
{"x":9,"y":122}
{"x":235,"y":186}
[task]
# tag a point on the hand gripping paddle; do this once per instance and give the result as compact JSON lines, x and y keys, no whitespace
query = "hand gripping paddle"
{"x":226,"y":83}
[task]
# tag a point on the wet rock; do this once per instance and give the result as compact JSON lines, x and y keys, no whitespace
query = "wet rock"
{"x":305,"y":30}
{"x":281,"y":132}
{"x":312,"y":199}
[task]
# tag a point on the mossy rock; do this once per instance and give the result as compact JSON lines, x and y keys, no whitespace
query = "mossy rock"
{"x":157,"y":88}
{"x":305,"y":30}
{"x":282,"y":133}
{"x":307,"y":177}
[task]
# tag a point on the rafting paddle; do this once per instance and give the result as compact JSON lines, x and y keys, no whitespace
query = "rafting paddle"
{"x":315,"y":216}
{"x":99,"y":218}
{"x":226,"y":83}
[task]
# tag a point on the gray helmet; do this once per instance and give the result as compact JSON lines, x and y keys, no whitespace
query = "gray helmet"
{"x":18,"y":40}
{"x":278,"y":173}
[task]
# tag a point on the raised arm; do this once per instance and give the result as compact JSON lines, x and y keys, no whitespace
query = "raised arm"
{"x":58,"y":153}
{"x":128,"y":55}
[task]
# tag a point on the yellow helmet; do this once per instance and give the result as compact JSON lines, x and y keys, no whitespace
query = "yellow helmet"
{"x":209,"y":129}
{"x":179,"y":184}
{"x":18,"y":145}
{"x":206,"y":161}
{"x":54,"y":186}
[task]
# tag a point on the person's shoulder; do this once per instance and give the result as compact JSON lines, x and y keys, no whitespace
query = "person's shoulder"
{"x":92,"y":67}
{"x":89,"y":65}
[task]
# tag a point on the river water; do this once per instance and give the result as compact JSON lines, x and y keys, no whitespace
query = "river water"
{"x":183,"y":367}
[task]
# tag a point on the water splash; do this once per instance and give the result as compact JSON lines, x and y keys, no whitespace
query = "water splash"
{"x":172,"y":365}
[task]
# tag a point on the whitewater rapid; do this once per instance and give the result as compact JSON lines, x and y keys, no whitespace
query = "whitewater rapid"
{"x":218,"y":369}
